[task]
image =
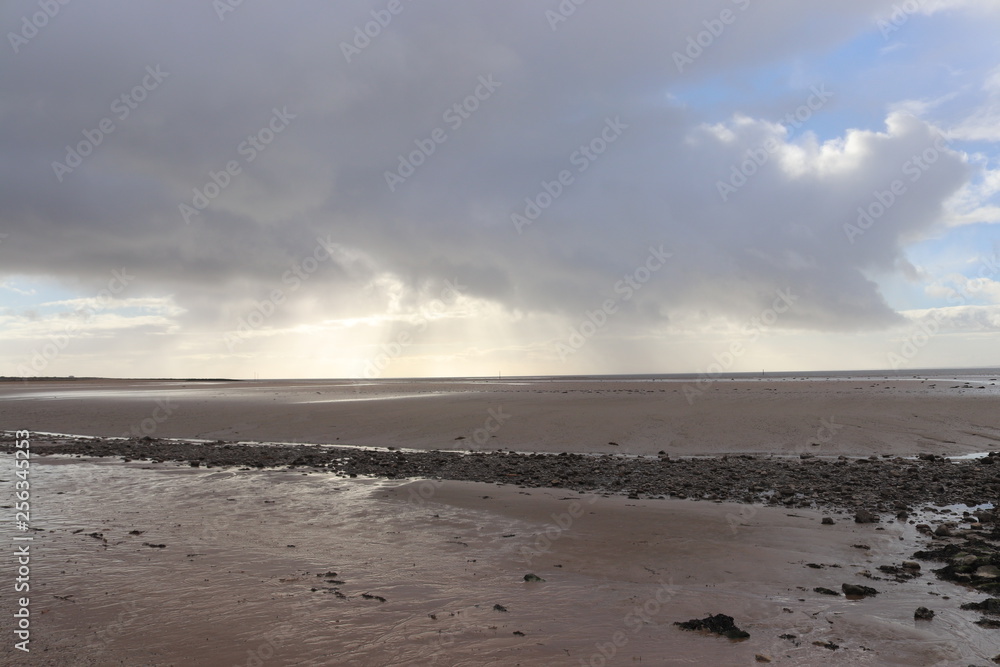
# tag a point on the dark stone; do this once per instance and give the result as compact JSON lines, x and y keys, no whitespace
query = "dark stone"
{"x":989,"y":606}
{"x":864,"y":516}
{"x":923,"y":614}
{"x":944,"y":530}
{"x":719,"y":624}
{"x":857,"y":591}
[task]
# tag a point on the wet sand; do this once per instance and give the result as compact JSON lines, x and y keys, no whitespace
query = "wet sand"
{"x":228,"y":589}
{"x":854,"y":417}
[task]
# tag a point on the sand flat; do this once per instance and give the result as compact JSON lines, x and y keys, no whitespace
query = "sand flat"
{"x":228,"y":589}
{"x":860,"y":416}
{"x":228,"y":586}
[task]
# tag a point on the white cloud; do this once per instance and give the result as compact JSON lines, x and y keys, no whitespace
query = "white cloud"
{"x":6,"y":285}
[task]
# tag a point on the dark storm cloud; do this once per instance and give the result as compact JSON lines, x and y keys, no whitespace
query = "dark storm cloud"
{"x":541,"y":97}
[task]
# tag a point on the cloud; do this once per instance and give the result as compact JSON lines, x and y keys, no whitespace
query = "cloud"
{"x":261,"y":118}
{"x":16,"y":290}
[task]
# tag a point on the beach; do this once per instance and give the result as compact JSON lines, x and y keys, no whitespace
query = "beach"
{"x":356,"y":544}
{"x":851,"y":416}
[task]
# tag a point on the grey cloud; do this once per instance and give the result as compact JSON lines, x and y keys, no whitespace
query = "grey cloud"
{"x":324,"y":174}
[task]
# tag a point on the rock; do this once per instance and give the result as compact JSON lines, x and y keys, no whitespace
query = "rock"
{"x":923,"y":528}
{"x":720,"y":624}
{"x":945,"y":530}
{"x":864,"y":516}
{"x":989,"y":606}
{"x":499,"y":607}
{"x":827,"y":521}
{"x":923,"y":614}
{"x":532,"y":577}
{"x":829,"y":645}
{"x":761,"y":658}
{"x":825,"y":591}
{"x":911,"y":565}
{"x":856,"y":591}
{"x":988,"y":572}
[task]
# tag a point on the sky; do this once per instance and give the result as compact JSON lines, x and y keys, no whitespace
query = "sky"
{"x":410,"y":188}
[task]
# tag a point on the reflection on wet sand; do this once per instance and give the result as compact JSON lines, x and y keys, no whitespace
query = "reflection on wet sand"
{"x":837,"y":416}
{"x":287,"y":568}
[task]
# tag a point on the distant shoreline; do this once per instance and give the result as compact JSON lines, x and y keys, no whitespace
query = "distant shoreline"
{"x":745,"y":375}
